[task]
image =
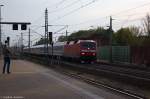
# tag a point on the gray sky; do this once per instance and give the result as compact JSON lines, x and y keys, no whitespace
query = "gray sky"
{"x":78,"y":14}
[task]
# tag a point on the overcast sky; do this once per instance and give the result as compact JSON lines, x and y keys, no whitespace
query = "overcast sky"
{"x":78,"y":14}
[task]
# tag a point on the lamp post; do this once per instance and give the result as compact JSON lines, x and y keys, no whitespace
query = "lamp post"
{"x":0,"y":24}
{"x":0,"y":32}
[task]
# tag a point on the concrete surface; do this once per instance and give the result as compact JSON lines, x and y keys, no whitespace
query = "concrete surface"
{"x":32,"y":81}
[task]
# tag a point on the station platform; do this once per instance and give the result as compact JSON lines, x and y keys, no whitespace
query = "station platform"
{"x":28,"y":80}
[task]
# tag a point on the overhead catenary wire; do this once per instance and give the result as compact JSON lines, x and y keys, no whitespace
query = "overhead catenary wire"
{"x":130,"y":9}
{"x":114,"y":14}
{"x":35,"y":21}
{"x":31,"y":41}
{"x":119,"y":13}
{"x":132,"y":14}
{"x":54,"y":5}
{"x":63,"y":8}
{"x":57,"y":10}
{"x":60,"y":29}
{"x":57,"y":4}
{"x":130,"y":19}
{"x":128,"y":22}
{"x":106,"y":16}
{"x":37,"y":33}
{"x":83,"y":6}
{"x":77,"y":24}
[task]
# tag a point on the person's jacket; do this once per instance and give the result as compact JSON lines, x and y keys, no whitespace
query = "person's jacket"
{"x":6,"y":53}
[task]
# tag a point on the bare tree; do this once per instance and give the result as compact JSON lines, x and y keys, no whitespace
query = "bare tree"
{"x":146,"y":25}
{"x":136,"y":31}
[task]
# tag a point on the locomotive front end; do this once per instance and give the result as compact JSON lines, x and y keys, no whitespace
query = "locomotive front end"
{"x":88,"y":51}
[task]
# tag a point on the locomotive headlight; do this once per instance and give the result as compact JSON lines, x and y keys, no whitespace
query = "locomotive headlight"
{"x":82,"y":53}
{"x":94,"y":54}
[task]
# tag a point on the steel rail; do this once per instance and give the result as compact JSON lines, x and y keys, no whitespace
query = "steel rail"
{"x":99,"y":84}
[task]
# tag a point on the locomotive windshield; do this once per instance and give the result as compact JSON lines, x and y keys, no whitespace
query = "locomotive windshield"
{"x":87,"y":45}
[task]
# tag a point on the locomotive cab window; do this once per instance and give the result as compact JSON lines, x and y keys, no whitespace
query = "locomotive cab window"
{"x":87,"y":45}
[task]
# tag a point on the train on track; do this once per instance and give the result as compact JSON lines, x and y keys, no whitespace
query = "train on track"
{"x":81,"y":50}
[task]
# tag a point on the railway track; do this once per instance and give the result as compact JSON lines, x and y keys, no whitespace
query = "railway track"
{"x":129,"y":71}
{"x":118,"y":73}
{"x":126,"y":65}
{"x":99,"y":84}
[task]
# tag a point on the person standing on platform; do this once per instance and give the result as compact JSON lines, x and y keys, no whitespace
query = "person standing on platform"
{"x":6,"y":54}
